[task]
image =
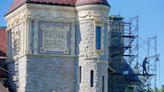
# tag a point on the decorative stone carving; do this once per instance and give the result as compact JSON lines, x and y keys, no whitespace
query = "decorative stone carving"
{"x":54,"y":37}
{"x":15,"y":21}
{"x":51,"y":15}
{"x":91,"y":14}
{"x":16,"y":39}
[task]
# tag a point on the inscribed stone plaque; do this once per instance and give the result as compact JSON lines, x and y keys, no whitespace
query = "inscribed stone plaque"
{"x":54,"y":37}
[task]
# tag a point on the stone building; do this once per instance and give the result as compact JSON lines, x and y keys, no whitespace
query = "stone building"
{"x":58,"y":45}
{"x":63,"y":46}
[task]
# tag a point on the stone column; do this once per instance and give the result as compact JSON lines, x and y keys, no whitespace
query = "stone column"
{"x":28,"y":36}
{"x":35,"y":36}
{"x":93,"y":63}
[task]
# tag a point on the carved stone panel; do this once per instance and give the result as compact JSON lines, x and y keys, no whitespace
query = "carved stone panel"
{"x":16,"y":39}
{"x":54,"y":37}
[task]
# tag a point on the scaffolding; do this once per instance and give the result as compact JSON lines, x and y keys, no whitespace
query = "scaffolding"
{"x":153,"y":59}
{"x":130,"y":37}
{"x":124,"y":39}
{"x":125,"y":46}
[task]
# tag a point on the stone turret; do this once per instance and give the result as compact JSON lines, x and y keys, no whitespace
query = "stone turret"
{"x":93,"y":47}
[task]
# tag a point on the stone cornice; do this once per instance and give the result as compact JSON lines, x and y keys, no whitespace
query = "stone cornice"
{"x":16,"y":12}
{"x":51,"y":55}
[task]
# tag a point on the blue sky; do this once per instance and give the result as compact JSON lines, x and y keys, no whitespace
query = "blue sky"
{"x":151,"y":23}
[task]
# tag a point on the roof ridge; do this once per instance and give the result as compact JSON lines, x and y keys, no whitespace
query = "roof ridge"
{"x":17,"y":3}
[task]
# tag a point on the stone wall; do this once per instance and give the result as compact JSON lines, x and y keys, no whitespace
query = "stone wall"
{"x":43,"y":74}
{"x":48,"y":74}
{"x":17,"y":75}
{"x":12,"y":78}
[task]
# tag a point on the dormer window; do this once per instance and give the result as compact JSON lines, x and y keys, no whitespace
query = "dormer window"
{"x":98,"y":38}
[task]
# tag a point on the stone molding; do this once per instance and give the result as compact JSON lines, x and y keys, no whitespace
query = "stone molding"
{"x":97,"y":12}
{"x":53,"y":13}
{"x":52,"y":55}
{"x":92,"y":15}
{"x":17,"y":17}
{"x":33,"y":11}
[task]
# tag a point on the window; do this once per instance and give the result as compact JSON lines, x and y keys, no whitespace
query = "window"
{"x":102,"y":83}
{"x":92,"y":78}
{"x":98,"y":38}
{"x":80,"y":74}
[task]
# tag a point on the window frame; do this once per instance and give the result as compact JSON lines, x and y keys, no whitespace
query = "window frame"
{"x":98,"y":38}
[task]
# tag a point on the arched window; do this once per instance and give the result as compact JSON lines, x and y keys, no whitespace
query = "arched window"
{"x":80,"y":74}
{"x":92,"y":78}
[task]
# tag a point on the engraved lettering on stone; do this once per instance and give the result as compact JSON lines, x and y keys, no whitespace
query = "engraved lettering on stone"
{"x":54,"y":37}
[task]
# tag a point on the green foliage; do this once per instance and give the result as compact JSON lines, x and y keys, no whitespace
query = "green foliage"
{"x":158,"y":90}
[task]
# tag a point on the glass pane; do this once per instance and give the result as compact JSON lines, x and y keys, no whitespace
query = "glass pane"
{"x":98,"y":38}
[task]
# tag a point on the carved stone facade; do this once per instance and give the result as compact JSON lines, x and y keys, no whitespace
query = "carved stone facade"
{"x":16,"y":38}
{"x":50,"y":43}
{"x":54,"y":36}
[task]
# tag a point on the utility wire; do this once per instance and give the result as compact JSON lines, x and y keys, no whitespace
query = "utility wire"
{"x":4,"y":69}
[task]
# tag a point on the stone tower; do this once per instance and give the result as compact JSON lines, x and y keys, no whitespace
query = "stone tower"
{"x":58,"y":45}
{"x":93,"y":46}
